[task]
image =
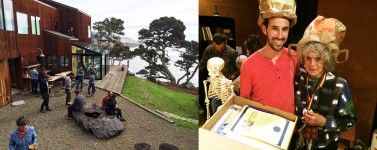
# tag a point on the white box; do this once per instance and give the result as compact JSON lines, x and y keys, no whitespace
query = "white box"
{"x":209,"y":140}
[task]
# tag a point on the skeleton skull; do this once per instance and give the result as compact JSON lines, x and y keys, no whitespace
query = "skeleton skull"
{"x":220,"y":86}
{"x":214,"y":66}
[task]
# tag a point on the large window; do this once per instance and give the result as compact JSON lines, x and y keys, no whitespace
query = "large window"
{"x":35,"y":26}
{"x":8,"y":16}
{"x":51,"y":61}
{"x":2,"y":27}
{"x":64,"y":60}
{"x":88,"y":31}
{"x":56,"y":27}
{"x":22,"y":24}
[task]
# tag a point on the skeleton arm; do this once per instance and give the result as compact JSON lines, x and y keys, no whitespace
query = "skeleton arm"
{"x":206,"y":99}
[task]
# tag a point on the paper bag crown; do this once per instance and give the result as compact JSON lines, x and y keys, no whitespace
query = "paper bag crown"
{"x":277,"y":8}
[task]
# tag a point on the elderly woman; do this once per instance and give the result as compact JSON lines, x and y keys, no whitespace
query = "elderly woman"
{"x":323,"y":100}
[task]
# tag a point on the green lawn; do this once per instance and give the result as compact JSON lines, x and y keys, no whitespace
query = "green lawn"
{"x":157,"y":97}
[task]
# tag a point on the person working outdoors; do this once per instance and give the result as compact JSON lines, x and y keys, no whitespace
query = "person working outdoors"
{"x":323,"y":100}
{"x":104,"y":100}
{"x":78,"y":104}
{"x":45,"y":92}
{"x":113,"y":109}
{"x":267,"y":75}
{"x":33,"y":73}
{"x":67,"y":87}
{"x":23,"y":136}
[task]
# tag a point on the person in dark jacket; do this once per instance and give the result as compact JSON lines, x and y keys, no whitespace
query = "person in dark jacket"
{"x":113,"y":109}
{"x":79,"y":78}
{"x":45,"y":92}
{"x":91,"y":85}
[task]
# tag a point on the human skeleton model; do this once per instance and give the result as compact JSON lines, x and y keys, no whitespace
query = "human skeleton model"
{"x":219,"y":86}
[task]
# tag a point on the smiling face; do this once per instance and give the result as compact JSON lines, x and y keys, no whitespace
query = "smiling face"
{"x":314,"y":64}
{"x":276,"y":32}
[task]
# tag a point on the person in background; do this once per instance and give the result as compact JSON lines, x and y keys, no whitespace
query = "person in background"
{"x":323,"y":100}
{"x":33,"y":73}
{"x":67,"y":87}
{"x":113,"y":109}
{"x":92,"y":78}
{"x":252,"y":44}
{"x":80,"y":78}
{"x":78,"y":104}
{"x":92,"y":71}
{"x":104,"y":100}
{"x":45,"y":92}
{"x":236,"y":83}
{"x":267,"y":76}
{"x":218,"y":48}
{"x":23,"y":136}
{"x":42,"y":73}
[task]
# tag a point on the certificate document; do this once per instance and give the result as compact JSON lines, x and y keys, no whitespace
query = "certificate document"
{"x":261,"y":125}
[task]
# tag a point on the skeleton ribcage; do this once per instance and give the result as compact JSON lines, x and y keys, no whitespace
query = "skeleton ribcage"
{"x":220,"y":88}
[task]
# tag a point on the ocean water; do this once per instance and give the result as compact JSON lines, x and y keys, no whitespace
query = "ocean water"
{"x":136,"y":64}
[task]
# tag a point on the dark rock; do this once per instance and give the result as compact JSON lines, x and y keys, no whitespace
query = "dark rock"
{"x":95,"y":120}
{"x":142,"y":71}
{"x":142,"y":146}
{"x":166,"y":146}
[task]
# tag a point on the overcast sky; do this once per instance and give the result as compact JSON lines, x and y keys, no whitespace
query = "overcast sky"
{"x":138,"y":14}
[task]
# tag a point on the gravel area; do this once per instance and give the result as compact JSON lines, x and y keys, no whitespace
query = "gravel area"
{"x":56,"y":132}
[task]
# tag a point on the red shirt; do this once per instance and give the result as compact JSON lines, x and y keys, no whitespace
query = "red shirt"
{"x":267,"y":83}
{"x":104,"y":101}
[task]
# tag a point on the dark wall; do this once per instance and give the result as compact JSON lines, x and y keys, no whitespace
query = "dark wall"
{"x":8,"y":45}
{"x":361,"y":68}
{"x":245,"y":13}
{"x":58,"y":46}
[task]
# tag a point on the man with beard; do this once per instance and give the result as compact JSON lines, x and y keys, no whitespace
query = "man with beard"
{"x":267,"y":76}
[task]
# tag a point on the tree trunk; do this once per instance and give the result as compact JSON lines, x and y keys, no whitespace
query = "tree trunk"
{"x":192,"y":75}
{"x":170,"y":75}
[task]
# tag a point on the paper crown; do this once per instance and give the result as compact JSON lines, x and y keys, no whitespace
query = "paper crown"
{"x":277,"y":8}
{"x":328,"y":31}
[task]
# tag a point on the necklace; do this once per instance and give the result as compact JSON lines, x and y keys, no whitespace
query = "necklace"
{"x":311,"y":97}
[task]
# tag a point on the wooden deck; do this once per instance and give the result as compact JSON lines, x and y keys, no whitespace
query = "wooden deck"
{"x":114,"y":80}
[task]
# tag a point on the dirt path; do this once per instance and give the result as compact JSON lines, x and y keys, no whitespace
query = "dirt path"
{"x":55,"y":132}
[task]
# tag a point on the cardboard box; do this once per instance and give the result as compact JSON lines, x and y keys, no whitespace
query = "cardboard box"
{"x":209,"y":140}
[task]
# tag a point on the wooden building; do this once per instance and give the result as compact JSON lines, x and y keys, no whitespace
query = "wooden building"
{"x":37,"y":33}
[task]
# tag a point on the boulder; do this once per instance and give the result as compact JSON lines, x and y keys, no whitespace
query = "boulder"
{"x":95,"y":120}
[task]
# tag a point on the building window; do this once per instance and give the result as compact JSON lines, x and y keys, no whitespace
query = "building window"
{"x":7,"y":19}
{"x":88,"y":31}
{"x":64,"y":60}
{"x":56,"y":25}
{"x":51,"y":61}
{"x":2,"y":27}
{"x":35,"y":25}
{"x":22,"y":24}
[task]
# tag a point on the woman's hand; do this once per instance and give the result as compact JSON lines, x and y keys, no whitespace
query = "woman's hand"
{"x":314,"y":119}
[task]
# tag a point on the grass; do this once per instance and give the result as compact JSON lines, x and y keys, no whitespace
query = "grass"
{"x":157,"y":97}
